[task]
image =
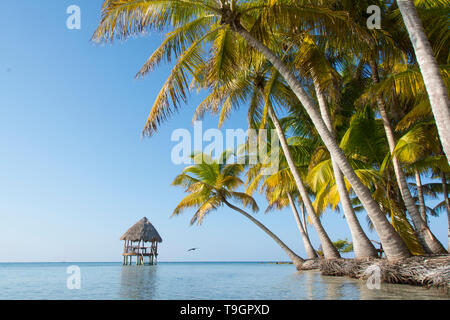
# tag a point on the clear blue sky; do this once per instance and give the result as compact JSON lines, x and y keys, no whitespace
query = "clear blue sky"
{"x":74,"y":171}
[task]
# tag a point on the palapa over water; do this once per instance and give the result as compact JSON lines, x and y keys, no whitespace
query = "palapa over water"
{"x":135,"y":239}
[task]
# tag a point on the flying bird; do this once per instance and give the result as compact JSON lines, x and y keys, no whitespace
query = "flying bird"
{"x":192,"y":249}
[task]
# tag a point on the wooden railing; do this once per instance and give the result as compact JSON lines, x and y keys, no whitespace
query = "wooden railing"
{"x":140,"y":250}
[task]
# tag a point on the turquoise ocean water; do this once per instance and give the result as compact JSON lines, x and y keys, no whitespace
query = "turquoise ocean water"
{"x":227,"y":281}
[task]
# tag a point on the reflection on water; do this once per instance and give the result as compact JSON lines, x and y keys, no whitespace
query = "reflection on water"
{"x":138,"y":282}
{"x":313,"y":286}
{"x":394,"y":292}
{"x":335,"y":290}
{"x":191,"y":281}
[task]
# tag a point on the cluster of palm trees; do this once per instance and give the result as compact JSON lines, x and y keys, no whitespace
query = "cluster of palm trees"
{"x":362,"y":115}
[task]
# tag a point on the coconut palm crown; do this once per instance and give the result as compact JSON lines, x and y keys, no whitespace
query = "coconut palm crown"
{"x":210,"y":184}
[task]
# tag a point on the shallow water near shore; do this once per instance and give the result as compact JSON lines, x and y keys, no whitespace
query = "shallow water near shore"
{"x":227,"y":281}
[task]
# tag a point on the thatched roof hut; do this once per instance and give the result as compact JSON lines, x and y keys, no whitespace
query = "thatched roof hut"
{"x":135,"y":243}
{"x":143,"y":230}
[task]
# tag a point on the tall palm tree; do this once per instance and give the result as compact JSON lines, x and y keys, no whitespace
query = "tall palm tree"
{"x":197,"y":23}
{"x":437,"y":91}
{"x":313,"y":61}
{"x":212,"y":184}
{"x":267,"y":88}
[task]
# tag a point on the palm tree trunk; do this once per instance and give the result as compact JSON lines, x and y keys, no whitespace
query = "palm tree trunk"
{"x":424,"y":235}
{"x":437,"y":91}
{"x":312,"y":254}
{"x":393,"y":244}
{"x":294,"y":257}
{"x":447,"y":203}
{"x":423,"y":208}
{"x":361,"y":243}
{"x":329,"y":250}
{"x":305,"y":223}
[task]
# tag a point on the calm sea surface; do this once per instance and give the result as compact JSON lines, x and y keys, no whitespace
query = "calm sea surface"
{"x":229,"y":281}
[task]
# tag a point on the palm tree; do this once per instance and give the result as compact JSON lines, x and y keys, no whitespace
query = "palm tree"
{"x":266,"y":88}
{"x":429,"y":242}
{"x":197,"y":23}
{"x":279,"y":199}
{"x":212,"y":184}
{"x":329,"y":250}
{"x":420,"y":150}
{"x":419,"y":147}
{"x":395,"y":248}
{"x":437,"y":91}
{"x":447,"y":203}
{"x":312,"y":254}
{"x":281,"y":191}
{"x":312,"y":60}
{"x":365,"y":143}
{"x":374,"y":44}
{"x":343,"y":246}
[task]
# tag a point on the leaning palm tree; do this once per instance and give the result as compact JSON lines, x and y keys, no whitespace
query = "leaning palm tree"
{"x":437,"y":91}
{"x":197,"y":23}
{"x":281,"y":191}
{"x":212,"y":184}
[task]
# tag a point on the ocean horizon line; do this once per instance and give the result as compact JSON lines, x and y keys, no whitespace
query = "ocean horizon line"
{"x":237,"y":261}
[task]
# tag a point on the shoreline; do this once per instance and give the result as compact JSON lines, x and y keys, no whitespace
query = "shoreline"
{"x":424,"y":271}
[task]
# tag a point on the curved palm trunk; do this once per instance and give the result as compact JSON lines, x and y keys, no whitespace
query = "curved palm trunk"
{"x":312,"y":254}
{"x":423,"y":208}
{"x":424,"y":235}
{"x":447,"y":203}
{"x":329,"y":250}
{"x":432,"y":78}
{"x":361,"y":243}
{"x":294,"y":257}
{"x":393,"y":245}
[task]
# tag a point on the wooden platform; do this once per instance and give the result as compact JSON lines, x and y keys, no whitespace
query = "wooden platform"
{"x":140,"y":252}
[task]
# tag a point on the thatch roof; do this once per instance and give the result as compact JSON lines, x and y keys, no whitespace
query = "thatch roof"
{"x":142,"y":230}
